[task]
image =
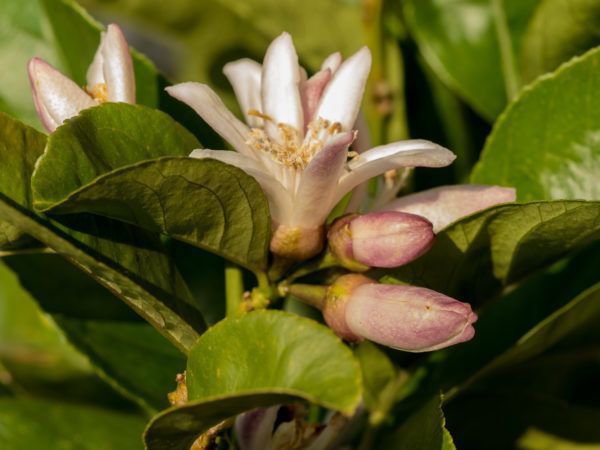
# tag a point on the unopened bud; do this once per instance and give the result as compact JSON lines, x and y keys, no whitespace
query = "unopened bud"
{"x":384,"y":239}
{"x":407,"y":318}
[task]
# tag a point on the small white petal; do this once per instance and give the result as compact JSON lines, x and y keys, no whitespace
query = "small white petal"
{"x":332,"y":62}
{"x":280,"y":202}
{"x":56,"y":97}
{"x":209,"y":106}
{"x":280,"y":86}
{"x":342,"y":98}
{"x":245,"y":77}
{"x":446,"y":204}
{"x":311,"y":91}
{"x":313,"y":203}
{"x":117,"y":67}
{"x":411,"y":153}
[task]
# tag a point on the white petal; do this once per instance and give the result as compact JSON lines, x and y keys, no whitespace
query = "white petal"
{"x":412,"y":153}
{"x":280,"y":86}
{"x":332,"y":62}
{"x":245,"y":75}
{"x":446,"y":204}
{"x":209,"y":106}
{"x":56,"y":97}
{"x":342,"y":97}
{"x":118,"y":67}
{"x":311,"y":91}
{"x":279,"y":198}
{"x":313,"y":203}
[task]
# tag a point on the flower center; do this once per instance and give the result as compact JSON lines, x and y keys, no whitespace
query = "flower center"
{"x":286,"y":149}
{"x":98,"y":92}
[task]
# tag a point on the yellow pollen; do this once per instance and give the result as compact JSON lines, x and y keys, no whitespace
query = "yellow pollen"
{"x":98,"y":92}
{"x":286,"y":150}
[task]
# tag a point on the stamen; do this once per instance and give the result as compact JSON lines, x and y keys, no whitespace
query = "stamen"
{"x":256,"y":113}
{"x":98,"y":92}
{"x":286,"y":150}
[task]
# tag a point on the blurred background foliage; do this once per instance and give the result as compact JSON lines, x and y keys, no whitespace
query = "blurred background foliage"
{"x":443,"y":70}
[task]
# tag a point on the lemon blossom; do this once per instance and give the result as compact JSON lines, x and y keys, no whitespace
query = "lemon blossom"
{"x":110,"y":78}
{"x":297,"y":135}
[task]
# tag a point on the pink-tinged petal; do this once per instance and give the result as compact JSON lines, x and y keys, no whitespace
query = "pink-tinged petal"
{"x":254,"y":429}
{"x":117,"y":66}
{"x":280,"y":86}
{"x":310,"y":93}
{"x":56,"y":97}
{"x":342,"y":98}
{"x":446,"y":204}
{"x":245,"y":77}
{"x":412,"y":153}
{"x":211,"y":108}
{"x":312,"y":203}
{"x":390,"y":239}
{"x":332,"y":62}
{"x":408,"y":318}
{"x":280,"y":202}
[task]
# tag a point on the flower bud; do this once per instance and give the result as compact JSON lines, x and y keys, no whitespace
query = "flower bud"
{"x":384,"y":239}
{"x":407,"y":318}
{"x":297,"y":243}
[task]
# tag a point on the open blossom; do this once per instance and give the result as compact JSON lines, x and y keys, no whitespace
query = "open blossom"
{"x":296,"y":138}
{"x":408,"y":318}
{"x":110,"y":78}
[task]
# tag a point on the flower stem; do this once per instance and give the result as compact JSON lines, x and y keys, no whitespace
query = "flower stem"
{"x":234,"y":290}
{"x":312,"y":295}
{"x":325,"y":262}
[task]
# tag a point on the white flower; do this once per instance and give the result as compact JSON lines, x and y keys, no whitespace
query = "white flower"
{"x":296,"y":137}
{"x":110,"y":78}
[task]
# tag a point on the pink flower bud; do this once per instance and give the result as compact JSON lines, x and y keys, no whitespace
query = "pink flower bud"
{"x":385,"y":239}
{"x":407,"y":318}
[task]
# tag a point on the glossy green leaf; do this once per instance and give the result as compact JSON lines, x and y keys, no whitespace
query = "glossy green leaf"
{"x":132,"y":264}
{"x":559,"y":30}
{"x":102,"y":139}
{"x":177,"y":428}
{"x":471,"y":46}
{"x":273,"y":351}
{"x":27,"y":424}
{"x":575,"y":322}
{"x":501,"y":245}
{"x":378,"y":374}
{"x":205,"y":203}
{"x":423,"y":430}
{"x":535,"y":439}
{"x":260,"y":359}
{"x":547,"y":143}
{"x":20,"y":147}
{"x":503,"y":322}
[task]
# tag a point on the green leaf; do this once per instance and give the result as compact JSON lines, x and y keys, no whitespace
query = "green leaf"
{"x":471,"y":46}
{"x":27,"y":424}
{"x":558,"y":31}
{"x":273,"y":351}
{"x":547,"y":143}
{"x":501,"y":245}
{"x":378,"y":373}
{"x":503,"y":322}
{"x":204,"y":203}
{"x":423,"y":430}
{"x":102,"y":139}
{"x":260,"y":359}
{"x":132,"y":264}
{"x":177,"y":428}
{"x":535,"y":439}
{"x":20,"y":147}
{"x":119,"y":345}
{"x":566,"y":328}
